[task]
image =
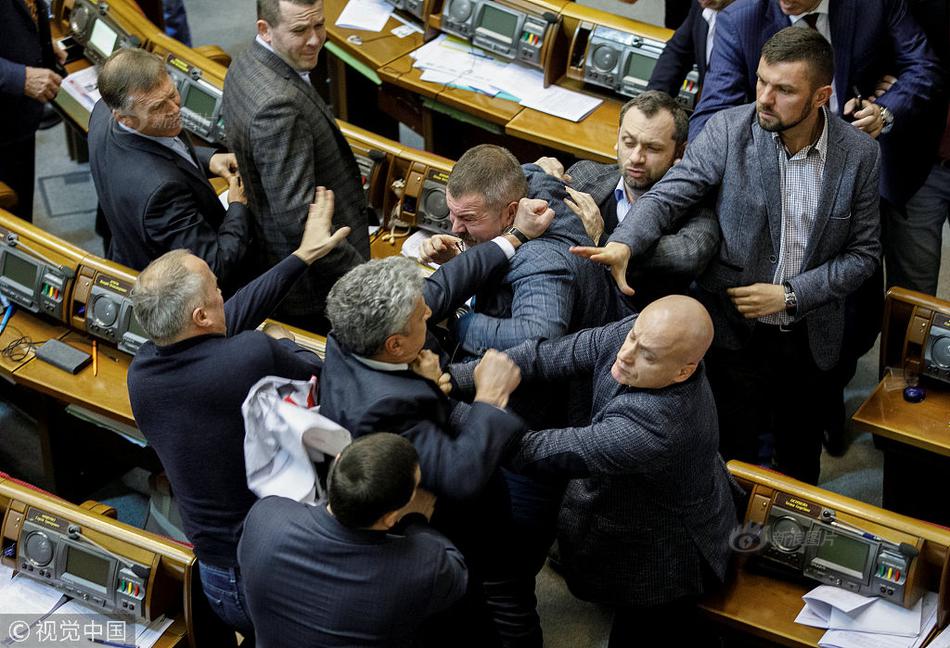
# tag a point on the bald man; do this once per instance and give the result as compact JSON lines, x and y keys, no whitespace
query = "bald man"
{"x":645,"y":521}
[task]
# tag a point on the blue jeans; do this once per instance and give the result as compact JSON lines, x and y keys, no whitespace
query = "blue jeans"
{"x":225,"y":593}
{"x":913,"y":238}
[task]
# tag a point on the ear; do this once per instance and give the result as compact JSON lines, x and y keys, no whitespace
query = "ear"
{"x":508,"y":217}
{"x":823,"y":95}
{"x":199,"y":317}
{"x":393,"y":344}
{"x":685,"y":372}
{"x":263,"y":30}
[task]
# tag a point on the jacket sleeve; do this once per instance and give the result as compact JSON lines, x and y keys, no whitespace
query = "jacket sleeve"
{"x":677,"y":58}
{"x":12,"y":78}
{"x":725,"y":84}
{"x":687,"y":251}
{"x":456,"y":463}
{"x":281,"y":145}
{"x":454,"y":282}
{"x":844,"y":273}
{"x":254,"y":303}
{"x":173,"y":220}
{"x":449,"y":572}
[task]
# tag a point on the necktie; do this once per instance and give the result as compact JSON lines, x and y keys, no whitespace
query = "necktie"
{"x":811,"y":20}
{"x":31,"y":5}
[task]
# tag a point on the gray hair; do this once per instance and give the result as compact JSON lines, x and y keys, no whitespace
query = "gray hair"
{"x":372,"y":302}
{"x":128,"y":72}
{"x":164,"y":296}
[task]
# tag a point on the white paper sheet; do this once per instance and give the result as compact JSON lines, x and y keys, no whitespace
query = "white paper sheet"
{"x":83,"y":86}
{"x":23,"y":595}
{"x":881,"y":617}
{"x":854,"y":639}
{"x":810,"y":617}
{"x":563,"y":103}
{"x":824,"y":597}
{"x":368,"y":15}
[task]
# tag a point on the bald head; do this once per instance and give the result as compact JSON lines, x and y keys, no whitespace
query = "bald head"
{"x":665,"y":345}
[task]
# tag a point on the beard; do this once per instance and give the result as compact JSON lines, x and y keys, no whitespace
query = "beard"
{"x":779,"y":126}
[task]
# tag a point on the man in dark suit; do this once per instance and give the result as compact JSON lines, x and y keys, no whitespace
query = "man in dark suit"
{"x":650,"y":140}
{"x":152,"y":183}
{"x":361,"y":569}
{"x":692,"y":44}
{"x":377,"y":377}
{"x":203,"y":356}
{"x":287,"y":142}
{"x":646,"y":517}
{"x":798,"y":210}
{"x":28,"y":80}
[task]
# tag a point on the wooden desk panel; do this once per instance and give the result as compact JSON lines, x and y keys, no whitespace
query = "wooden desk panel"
{"x":925,"y":425}
{"x":106,"y":393}
{"x":594,"y":137}
{"x":491,"y":109}
{"x":24,"y":323}
{"x":764,"y":607}
{"x":377,"y":48}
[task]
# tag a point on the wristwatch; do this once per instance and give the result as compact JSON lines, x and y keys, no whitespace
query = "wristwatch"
{"x":888,"y":118}
{"x":791,"y":301}
{"x":518,"y":234}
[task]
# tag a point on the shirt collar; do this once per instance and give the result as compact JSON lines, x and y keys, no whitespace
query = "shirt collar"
{"x":305,"y":75}
{"x":623,"y":201}
{"x":170,"y":142}
{"x":709,"y":15}
{"x":821,"y":145}
{"x":822,"y":8}
{"x":382,"y":366}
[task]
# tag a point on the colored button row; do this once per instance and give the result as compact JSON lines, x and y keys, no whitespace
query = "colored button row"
{"x":129,"y":587}
{"x":889,"y":573}
{"x":51,"y":291}
{"x":530,"y":39}
{"x":689,"y":85}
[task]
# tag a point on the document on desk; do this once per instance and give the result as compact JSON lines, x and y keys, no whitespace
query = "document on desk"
{"x":145,"y":635}
{"x":368,"y":15}
{"x":528,"y":85}
{"x":21,"y":595}
{"x":866,"y":637}
{"x":83,"y":86}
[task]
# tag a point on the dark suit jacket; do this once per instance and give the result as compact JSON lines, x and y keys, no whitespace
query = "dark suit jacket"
{"x":22,"y":44}
{"x":155,"y":201}
{"x":844,"y":247}
{"x":649,"y":501}
{"x":311,"y":581}
{"x":870,"y":38}
{"x":685,"y":49}
{"x":287,"y":143}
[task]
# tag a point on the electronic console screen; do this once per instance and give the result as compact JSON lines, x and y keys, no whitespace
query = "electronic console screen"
{"x":200,"y":101}
{"x":843,"y":551}
{"x":88,"y":567}
{"x":135,"y":328}
{"x":501,"y":23}
{"x":19,"y":271}
{"x":103,"y":38}
{"x":640,"y":67}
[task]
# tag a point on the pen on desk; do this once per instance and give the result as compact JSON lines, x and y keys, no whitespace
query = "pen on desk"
{"x":6,"y":317}
{"x":117,"y":644}
{"x":95,"y":358}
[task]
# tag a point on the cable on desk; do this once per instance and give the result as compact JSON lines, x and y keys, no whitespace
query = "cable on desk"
{"x":20,"y":347}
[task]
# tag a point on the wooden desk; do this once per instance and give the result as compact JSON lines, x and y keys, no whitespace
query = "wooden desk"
{"x":924,"y":425}
{"x":373,"y":49}
{"x":37,"y":329}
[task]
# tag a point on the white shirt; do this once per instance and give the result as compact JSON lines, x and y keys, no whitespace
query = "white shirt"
{"x":623,"y":203}
{"x":172,"y":143}
{"x":382,"y":366}
{"x":709,"y":15}
{"x":823,"y":26}
{"x":304,"y":74}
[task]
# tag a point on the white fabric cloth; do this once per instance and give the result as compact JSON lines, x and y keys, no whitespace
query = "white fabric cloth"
{"x":709,"y":15}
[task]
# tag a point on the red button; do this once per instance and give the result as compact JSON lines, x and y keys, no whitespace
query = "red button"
{"x":136,"y":590}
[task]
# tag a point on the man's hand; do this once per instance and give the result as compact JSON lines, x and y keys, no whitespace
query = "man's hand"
{"x":496,"y":376}
{"x":317,"y":241}
{"x":615,"y":255}
{"x":236,"y":190}
{"x":586,"y":209}
{"x":883,"y":85}
{"x":427,"y":365}
{"x":758,"y":300}
{"x":553,"y":167}
{"x":224,"y":165}
{"x":869,"y":118}
{"x":60,"y":53}
{"x":422,"y":502}
{"x":440,"y":248}
{"x":533,"y":217}
{"x":41,"y":84}
{"x":278,"y":332}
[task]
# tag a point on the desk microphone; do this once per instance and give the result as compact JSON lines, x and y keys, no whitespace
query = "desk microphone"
{"x":75,"y":533}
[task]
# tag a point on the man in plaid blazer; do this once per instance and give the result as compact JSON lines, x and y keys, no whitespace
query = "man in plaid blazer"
{"x":287,"y":142}
{"x":646,"y":517}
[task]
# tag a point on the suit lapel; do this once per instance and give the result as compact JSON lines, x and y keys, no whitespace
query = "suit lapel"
{"x":279,"y":67}
{"x":835,"y":161}
{"x":130,"y":140}
{"x":841,"y":15}
{"x":700,"y":32}
{"x":769,"y":180}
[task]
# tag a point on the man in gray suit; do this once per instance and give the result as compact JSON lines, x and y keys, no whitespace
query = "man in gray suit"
{"x":798,"y":210}
{"x":646,"y":517}
{"x":650,"y":140}
{"x":287,"y":142}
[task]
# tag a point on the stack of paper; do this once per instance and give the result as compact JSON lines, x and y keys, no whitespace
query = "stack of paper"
{"x":368,"y":15}
{"x":855,"y":621}
{"x":83,"y":86}
{"x":453,"y":62}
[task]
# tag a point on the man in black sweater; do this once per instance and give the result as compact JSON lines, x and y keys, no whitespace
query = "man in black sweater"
{"x":187,"y":384}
